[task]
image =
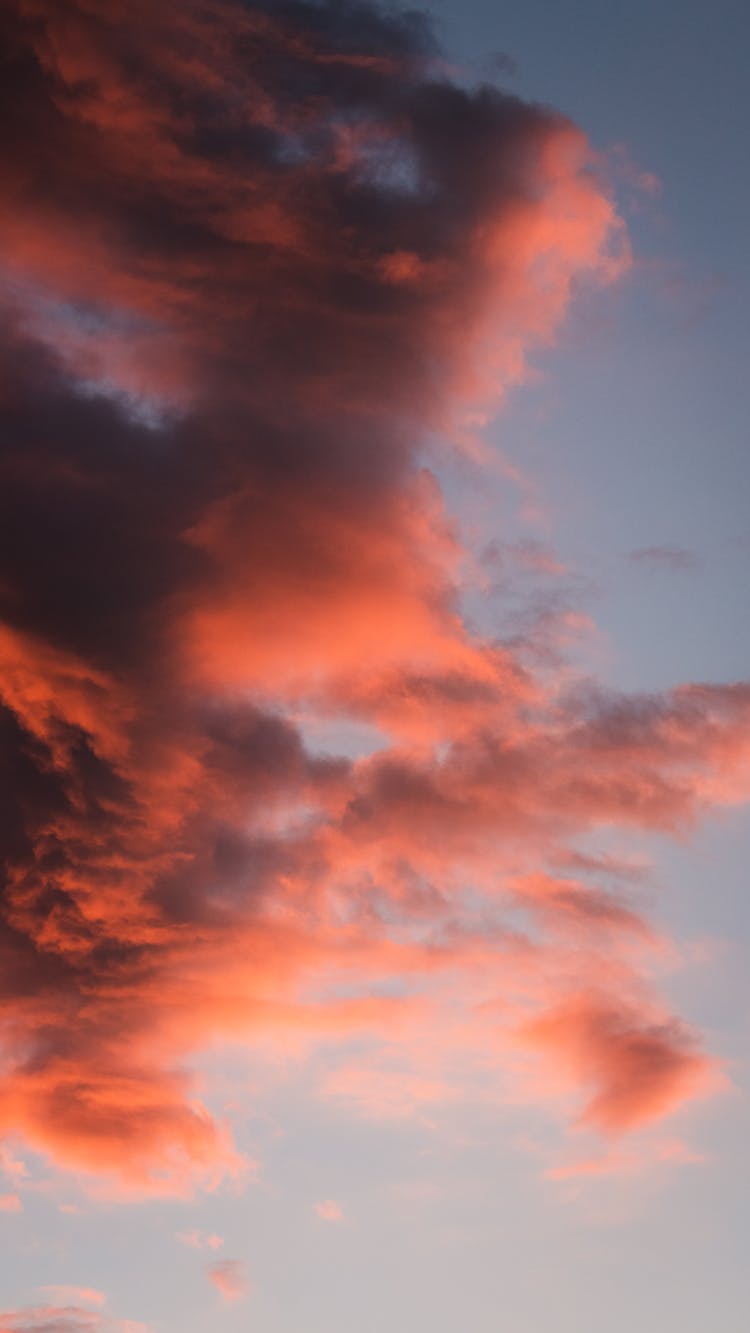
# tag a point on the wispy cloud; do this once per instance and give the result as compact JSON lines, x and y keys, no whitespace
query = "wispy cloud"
{"x":630,"y":1161}
{"x":229,"y":1277}
{"x":666,"y":559}
{"x":69,"y":1318}
{"x":71,"y":1295}
{"x":200,"y":1240}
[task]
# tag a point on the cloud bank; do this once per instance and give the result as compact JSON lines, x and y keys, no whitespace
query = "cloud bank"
{"x":256,"y":260}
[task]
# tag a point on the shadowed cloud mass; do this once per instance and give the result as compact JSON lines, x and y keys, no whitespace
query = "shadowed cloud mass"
{"x":256,"y":260}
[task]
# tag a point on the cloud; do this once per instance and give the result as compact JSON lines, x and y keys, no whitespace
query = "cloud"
{"x":13,"y":1167}
{"x":229,"y":1278}
{"x":328,"y":1210}
{"x":384,"y":1093}
{"x":638,"y":1067}
{"x":666,"y":559}
{"x":64,"y":1319}
{"x":10,"y":1203}
{"x":199,"y":1240}
{"x":626,"y":1162}
{"x":256,"y":260}
{"x":68,"y":1295}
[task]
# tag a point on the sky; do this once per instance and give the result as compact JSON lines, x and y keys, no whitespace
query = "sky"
{"x":374,"y":649}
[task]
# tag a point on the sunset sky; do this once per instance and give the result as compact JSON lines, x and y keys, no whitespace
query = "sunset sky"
{"x":374,"y":667}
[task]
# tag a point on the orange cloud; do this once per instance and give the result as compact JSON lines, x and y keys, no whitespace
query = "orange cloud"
{"x":237,"y":318}
{"x":638,"y":1067}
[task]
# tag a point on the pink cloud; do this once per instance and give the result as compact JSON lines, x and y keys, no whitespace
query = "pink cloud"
{"x":230,"y":1279}
{"x":627,"y":1161}
{"x":638,"y":1067}
{"x":64,"y":1319}
{"x":263,"y":538}
{"x":385,"y":1093}
{"x":71,"y":1295}
{"x":328,"y":1210}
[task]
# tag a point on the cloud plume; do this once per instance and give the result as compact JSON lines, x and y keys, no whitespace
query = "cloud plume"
{"x":256,"y":259}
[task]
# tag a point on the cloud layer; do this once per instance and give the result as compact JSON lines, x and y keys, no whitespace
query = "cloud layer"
{"x":256,"y":260}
